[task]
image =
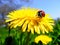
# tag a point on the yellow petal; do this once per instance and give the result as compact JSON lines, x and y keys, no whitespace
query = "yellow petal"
{"x":13,"y":23}
{"x":32,"y":30}
{"x":9,"y":20}
{"x":42,"y":27}
{"x":29,"y":26}
{"x":37,"y":30}
{"x":25,"y":26}
{"x":49,"y":27}
{"x":21,"y":22}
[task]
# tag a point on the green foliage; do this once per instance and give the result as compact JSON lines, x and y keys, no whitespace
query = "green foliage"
{"x":3,"y":34}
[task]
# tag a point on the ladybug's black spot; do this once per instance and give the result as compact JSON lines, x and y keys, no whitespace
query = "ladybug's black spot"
{"x":39,"y":13}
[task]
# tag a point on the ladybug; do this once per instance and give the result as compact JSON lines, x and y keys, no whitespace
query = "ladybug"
{"x":41,"y":13}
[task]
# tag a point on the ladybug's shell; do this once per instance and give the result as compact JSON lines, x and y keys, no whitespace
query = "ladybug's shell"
{"x":42,"y":13}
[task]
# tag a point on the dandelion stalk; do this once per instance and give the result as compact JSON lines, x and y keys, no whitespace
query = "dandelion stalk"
{"x":9,"y":30}
{"x":21,"y":35}
{"x":27,"y":39}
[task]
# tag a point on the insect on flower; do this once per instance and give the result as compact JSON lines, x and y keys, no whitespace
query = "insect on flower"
{"x":41,"y":13}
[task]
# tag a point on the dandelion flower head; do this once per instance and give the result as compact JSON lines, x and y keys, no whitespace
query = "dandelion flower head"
{"x":43,"y":38}
{"x":31,"y":20}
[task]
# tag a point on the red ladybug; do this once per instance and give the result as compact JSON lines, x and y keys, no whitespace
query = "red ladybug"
{"x":41,"y":13}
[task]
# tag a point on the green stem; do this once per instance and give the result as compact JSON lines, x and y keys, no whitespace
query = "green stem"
{"x":9,"y":29}
{"x":27,"y":39}
{"x":21,"y":36}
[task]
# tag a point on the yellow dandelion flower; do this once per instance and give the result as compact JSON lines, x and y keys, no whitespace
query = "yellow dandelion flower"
{"x":31,"y":20}
{"x":43,"y":38}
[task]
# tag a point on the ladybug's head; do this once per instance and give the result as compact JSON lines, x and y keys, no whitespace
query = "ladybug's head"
{"x":41,"y":13}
